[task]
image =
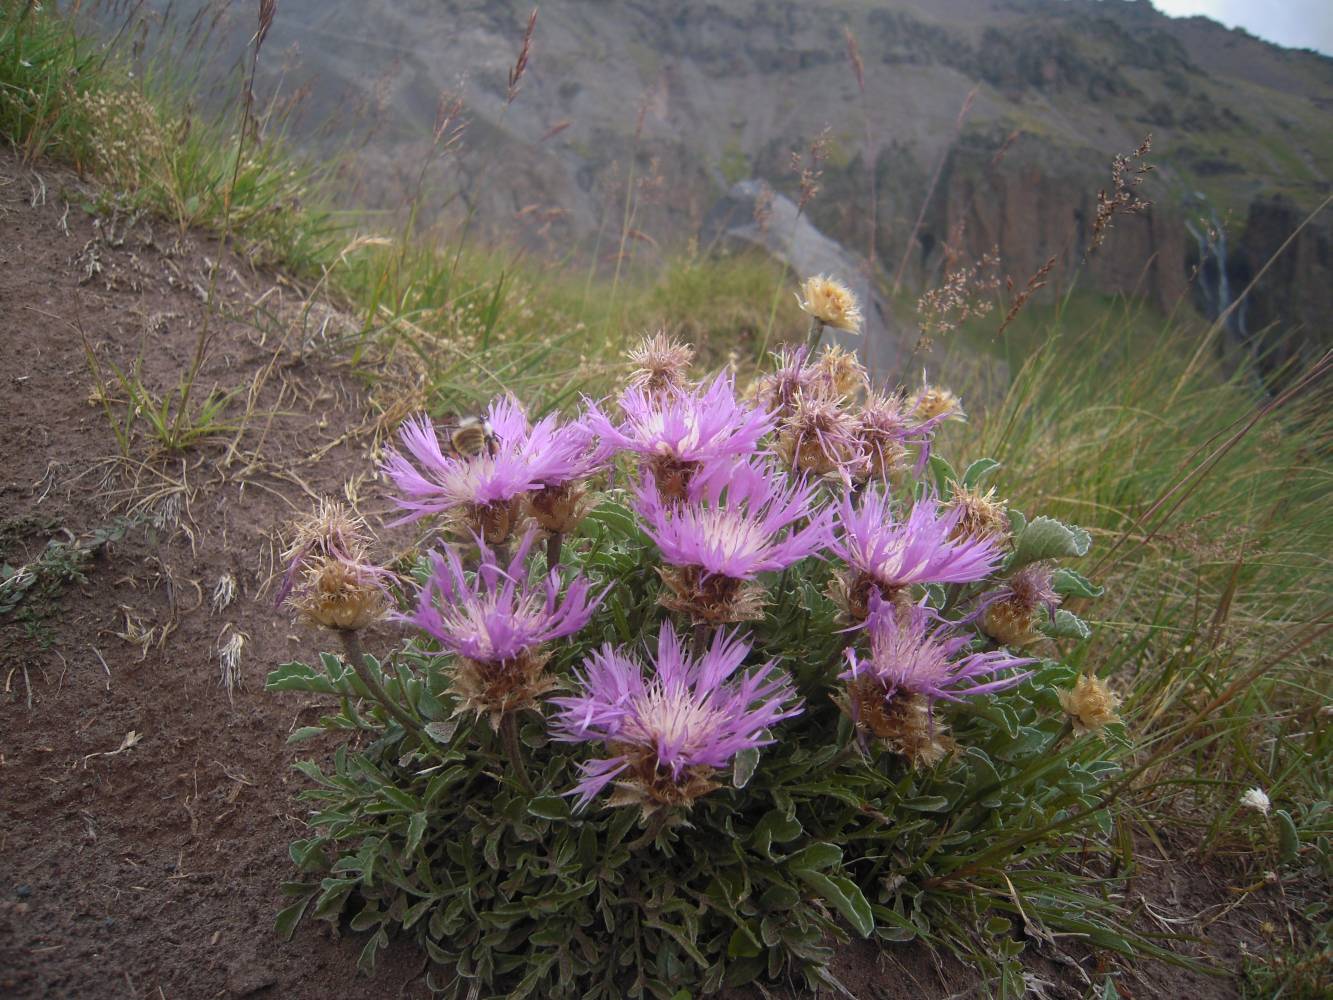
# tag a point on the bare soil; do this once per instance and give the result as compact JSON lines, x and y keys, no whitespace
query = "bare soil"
{"x":145,"y":809}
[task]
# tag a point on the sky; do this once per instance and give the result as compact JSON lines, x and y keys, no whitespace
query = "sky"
{"x":1300,"y":24}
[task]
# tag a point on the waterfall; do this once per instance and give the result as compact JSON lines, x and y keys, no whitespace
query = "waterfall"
{"x":1213,"y":279}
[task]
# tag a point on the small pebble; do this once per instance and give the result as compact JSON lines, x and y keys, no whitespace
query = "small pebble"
{"x":24,"y":891}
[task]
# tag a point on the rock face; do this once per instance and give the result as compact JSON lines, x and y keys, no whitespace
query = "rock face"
{"x":752,"y":215}
{"x":1017,"y":105}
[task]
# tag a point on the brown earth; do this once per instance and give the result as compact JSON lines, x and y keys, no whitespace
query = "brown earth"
{"x":146,"y":810}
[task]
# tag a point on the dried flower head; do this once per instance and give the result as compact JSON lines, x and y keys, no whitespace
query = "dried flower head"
{"x":982,"y":516}
{"x":883,"y":433}
{"x":932,"y":404}
{"x":840,"y":373}
{"x":660,"y":363}
{"x":344,"y":595}
{"x":736,"y":523}
{"x":678,"y":430}
{"x":332,"y":531}
{"x":1011,"y":613}
{"x":1090,"y":704}
{"x":830,"y":302}
{"x":668,"y":735}
{"x":819,"y":438}
{"x":885,"y":554}
{"x":790,"y":379}
{"x":496,"y":622}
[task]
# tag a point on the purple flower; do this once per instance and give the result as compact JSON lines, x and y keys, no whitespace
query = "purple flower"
{"x":563,"y":452}
{"x":914,"y":653}
{"x":498,"y":614}
{"x":668,"y":734}
{"x":678,"y":429}
{"x":886,"y":554}
{"x":496,"y":623}
{"x":430,"y":482}
{"x":733,"y":521}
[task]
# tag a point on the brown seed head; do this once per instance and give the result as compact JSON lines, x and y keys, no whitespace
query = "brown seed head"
{"x":1090,"y":704}
{"x":841,"y":373}
{"x":983,"y":516}
{"x":903,"y":723}
{"x":1010,"y":624}
{"x":931,"y":402}
{"x":340,"y":595}
{"x":819,"y":438}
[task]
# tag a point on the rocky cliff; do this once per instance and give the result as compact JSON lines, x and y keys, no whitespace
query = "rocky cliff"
{"x":1016,"y":107}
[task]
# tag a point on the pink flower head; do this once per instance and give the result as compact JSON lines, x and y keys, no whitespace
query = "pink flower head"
{"x":431,"y":482}
{"x":497,"y":614}
{"x":892,"y":553}
{"x":667,"y":734}
{"x":563,"y":452}
{"x":736,"y":521}
{"x":914,"y":653}
{"x":678,"y":429}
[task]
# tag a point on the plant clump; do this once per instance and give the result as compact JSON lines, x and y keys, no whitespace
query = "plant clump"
{"x":763,"y":630}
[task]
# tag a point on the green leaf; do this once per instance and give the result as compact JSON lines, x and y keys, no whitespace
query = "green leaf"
{"x":816,"y":857}
{"x":845,"y":897}
{"x":743,"y":943}
{"x":1072,"y":584}
{"x":1046,"y":538}
{"x":1288,"y":840}
{"x":926,"y":803}
{"x":416,"y":828}
{"x":1065,"y":625}
{"x":299,"y":677}
{"x":442,"y":732}
{"x":943,"y":473}
{"x":290,"y":916}
{"x":978,"y":471}
{"x":304,"y":733}
{"x":743,"y":766}
{"x":549,"y":807}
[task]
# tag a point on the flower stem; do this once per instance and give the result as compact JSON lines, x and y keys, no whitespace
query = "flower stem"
{"x":553,"y":544}
{"x":656,"y":824}
{"x":514,"y":750}
{"x":700,"y":639}
{"x":357,"y":658}
{"x":812,"y":338}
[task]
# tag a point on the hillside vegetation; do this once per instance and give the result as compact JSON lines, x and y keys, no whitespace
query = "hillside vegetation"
{"x":1204,"y":485}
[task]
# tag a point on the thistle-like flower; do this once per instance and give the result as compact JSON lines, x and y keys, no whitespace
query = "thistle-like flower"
{"x":563,"y":456}
{"x":1011,"y":612}
{"x":669,"y":734}
{"x":932,"y":404}
{"x":819,"y":438}
{"x":791,"y":378}
{"x":678,"y":430}
{"x":882,"y":434}
{"x":331,"y":532}
{"x":840,"y":373}
{"x":328,"y":580}
{"x":916,"y":660}
{"x":1090,"y":704}
{"x":481,"y":492}
{"x":496,"y":622}
{"x":982,"y":515}
{"x":736,"y":523}
{"x":660,"y":363}
{"x":344,"y":595}
{"x":885,"y":555}
{"x":830,"y":302}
